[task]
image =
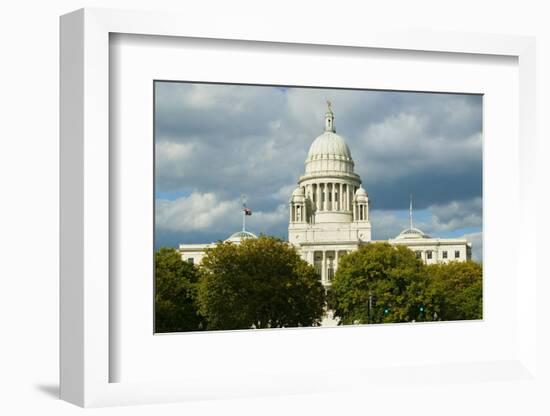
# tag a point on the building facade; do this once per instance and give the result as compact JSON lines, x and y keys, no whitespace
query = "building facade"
{"x":433,"y":250}
{"x":193,"y":253}
{"x":329,"y":209}
{"x":329,"y":214}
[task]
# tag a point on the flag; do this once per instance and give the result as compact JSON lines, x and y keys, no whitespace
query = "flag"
{"x":247,"y":211}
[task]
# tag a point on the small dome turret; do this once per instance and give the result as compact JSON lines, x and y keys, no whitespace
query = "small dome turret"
{"x":361,"y":195}
{"x":298,"y":195}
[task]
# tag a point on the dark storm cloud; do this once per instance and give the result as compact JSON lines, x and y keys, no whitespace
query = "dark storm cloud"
{"x":216,"y":142}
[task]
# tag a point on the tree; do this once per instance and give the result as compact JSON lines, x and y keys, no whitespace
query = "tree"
{"x":459,"y":289}
{"x":380,"y":283}
{"x":175,"y":293}
{"x":260,"y":283}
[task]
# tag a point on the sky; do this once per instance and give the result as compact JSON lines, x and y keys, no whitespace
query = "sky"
{"x":216,"y":142}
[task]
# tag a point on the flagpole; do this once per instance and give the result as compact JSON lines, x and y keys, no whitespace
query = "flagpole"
{"x":244,"y":212}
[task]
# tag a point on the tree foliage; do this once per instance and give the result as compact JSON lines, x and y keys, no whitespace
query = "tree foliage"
{"x":383,"y":283}
{"x":260,"y":283}
{"x":458,"y":286}
{"x":176,"y":281}
{"x":377,"y":283}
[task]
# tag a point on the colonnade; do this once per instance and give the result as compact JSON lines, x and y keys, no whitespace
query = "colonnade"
{"x":361,"y":211}
{"x":297,"y":212}
{"x":327,"y":262}
{"x":331,"y":196}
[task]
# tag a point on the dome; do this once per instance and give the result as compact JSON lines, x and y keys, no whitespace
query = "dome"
{"x":410,"y":233}
{"x":361,"y":194}
{"x":298,"y":195}
{"x":239,"y":236}
{"x":329,"y":145}
{"x":329,"y":152}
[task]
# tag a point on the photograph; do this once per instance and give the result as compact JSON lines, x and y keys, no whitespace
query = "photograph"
{"x":290,"y":206}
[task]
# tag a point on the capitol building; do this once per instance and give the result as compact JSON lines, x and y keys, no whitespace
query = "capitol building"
{"x":329,"y":213}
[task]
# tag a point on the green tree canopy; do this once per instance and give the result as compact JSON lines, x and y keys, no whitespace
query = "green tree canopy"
{"x":175,"y":293}
{"x":260,"y":283}
{"x":458,"y":286}
{"x":380,"y":283}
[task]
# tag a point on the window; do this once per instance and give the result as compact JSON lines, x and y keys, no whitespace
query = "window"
{"x":318,"y":271}
{"x":330,"y":274}
{"x":445,"y":254}
{"x":190,"y":260}
{"x":418,"y":254}
{"x":457,"y":254}
{"x":429,"y":255}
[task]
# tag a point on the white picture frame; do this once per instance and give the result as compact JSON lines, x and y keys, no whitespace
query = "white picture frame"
{"x":85,"y":211}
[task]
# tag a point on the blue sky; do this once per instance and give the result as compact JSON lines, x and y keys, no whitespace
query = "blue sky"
{"x":215,"y":142}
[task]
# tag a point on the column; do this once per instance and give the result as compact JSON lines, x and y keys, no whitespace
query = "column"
{"x":334,"y":196}
{"x":318,"y":197}
{"x":335,"y":261}
{"x":291,"y":205}
{"x":324,"y":267}
{"x":325,"y":193}
{"x":346,"y":197}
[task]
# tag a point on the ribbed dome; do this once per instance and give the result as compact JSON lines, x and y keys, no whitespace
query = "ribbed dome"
{"x":361,"y":194}
{"x":410,"y":233}
{"x":298,"y":195}
{"x":239,"y":236}
{"x":329,"y":145}
{"x":329,"y":154}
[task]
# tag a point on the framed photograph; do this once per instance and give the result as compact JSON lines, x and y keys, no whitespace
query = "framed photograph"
{"x":277,"y":237}
{"x":260,"y":214}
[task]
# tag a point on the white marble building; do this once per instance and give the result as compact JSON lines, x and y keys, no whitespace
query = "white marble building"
{"x":193,"y":253}
{"x":432,"y":249}
{"x":329,"y":213}
{"x":329,"y":210}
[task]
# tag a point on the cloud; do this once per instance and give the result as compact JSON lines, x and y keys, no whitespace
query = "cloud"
{"x":192,"y":213}
{"x":206,"y":217}
{"x":456,"y":215}
{"x":477,"y":244}
{"x":387,"y":224}
{"x":220,"y":141}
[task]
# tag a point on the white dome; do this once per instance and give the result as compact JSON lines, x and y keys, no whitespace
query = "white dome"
{"x":298,"y":195}
{"x":411,"y":233}
{"x":329,"y":155}
{"x":361,"y":194}
{"x":239,"y":236}
{"x":329,"y":145}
